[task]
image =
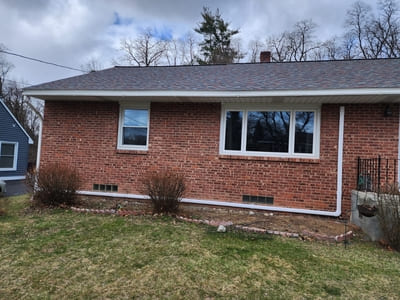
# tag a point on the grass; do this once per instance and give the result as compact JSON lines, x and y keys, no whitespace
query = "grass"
{"x":62,"y":254}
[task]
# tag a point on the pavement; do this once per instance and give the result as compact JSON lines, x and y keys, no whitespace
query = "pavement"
{"x":15,"y":188}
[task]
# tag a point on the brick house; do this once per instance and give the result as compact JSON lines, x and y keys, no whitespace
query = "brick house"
{"x":268,"y":136}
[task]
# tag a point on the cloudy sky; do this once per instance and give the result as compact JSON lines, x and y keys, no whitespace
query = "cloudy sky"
{"x":72,"y":32}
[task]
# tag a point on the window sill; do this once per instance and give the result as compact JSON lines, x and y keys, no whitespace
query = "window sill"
{"x":8,"y":169}
{"x":269,"y":158}
{"x":132,"y":152}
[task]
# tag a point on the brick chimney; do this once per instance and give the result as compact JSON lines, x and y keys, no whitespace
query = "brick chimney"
{"x":265,"y":56}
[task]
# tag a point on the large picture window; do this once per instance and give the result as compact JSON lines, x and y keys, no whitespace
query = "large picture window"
{"x":8,"y":156}
{"x":264,"y":131}
{"x":133,"y":128}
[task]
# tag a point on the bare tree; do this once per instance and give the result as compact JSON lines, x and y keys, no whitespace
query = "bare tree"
{"x":279,"y":47}
{"x":301,"y":40}
{"x":189,"y":49}
{"x":375,"y":36}
{"x":181,"y":51}
{"x":255,"y":47}
{"x":172,"y":52}
{"x":28,"y":112}
{"x":237,"y":46}
{"x":92,"y":65}
{"x":296,"y":45}
{"x":145,"y":50}
{"x":5,"y":68}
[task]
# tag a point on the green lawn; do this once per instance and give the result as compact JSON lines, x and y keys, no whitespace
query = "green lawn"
{"x":63,"y":254}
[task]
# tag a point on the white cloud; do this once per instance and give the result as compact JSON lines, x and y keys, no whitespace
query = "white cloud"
{"x":71,"y":32}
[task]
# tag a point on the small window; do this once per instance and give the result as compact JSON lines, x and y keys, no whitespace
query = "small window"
{"x":8,"y":156}
{"x":133,"y":129}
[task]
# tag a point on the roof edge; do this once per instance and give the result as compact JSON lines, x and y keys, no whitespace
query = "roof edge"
{"x":232,"y":94}
{"x":30,"y":141}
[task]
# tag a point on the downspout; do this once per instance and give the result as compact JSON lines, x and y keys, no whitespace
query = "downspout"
{"x":336,"y":213}
{"x":39,"y":147}
{"x":339,"y":183}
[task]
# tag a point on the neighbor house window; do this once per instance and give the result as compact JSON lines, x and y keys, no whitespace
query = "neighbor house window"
{"x":133,"y":130}
{"x":8,"y":156}
{"x":267,"y":131}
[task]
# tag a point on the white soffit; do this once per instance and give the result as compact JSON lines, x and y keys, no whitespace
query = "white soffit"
{"x":391,"y":95}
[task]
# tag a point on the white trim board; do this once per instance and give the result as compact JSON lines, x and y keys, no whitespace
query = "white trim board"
{"x":8,"y":178}
{"x":231,"y":94}
{"x":218,"y":203}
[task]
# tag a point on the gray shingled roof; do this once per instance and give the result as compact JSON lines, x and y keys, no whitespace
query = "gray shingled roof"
{"x":380,"y":73}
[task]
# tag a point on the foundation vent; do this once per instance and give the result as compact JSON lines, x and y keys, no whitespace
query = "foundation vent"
{"x":258,"y":199}
{"x":105,"y":187}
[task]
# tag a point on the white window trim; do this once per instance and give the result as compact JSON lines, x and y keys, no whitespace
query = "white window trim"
{"x":122,"y":107}
{"x":245,"y":108}
{"x":14,"y":168}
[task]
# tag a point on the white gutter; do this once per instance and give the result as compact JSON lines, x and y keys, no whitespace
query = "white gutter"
{"x":231,"y":94}
{"x":255,"y":206}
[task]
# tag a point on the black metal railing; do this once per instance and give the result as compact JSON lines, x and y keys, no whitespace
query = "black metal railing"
{"x":374,"y":174}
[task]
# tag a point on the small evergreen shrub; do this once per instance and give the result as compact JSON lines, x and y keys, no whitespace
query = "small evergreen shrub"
{"x":165,"y":189}
{"x":54,"y":184}
{"x":389,"y":215}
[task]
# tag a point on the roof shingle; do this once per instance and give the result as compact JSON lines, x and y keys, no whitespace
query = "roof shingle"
{"x":318,"y":75}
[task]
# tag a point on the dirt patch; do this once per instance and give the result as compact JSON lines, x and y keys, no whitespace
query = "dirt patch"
{"x":272,"y":221}
{"x":284,"y":222}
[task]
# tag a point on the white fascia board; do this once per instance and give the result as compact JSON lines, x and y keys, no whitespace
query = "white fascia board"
{"x":232,"y":94}
{"x":16,"y":121}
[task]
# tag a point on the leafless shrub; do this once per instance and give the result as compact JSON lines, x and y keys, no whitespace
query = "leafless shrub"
{"x":54,"y":185}
{"x":165,"y":189}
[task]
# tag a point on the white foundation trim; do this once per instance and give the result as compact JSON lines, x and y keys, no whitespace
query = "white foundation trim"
{"x":12,"y":177}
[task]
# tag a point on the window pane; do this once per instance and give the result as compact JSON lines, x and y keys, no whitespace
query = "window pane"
{"x":304,"y":132}
{"x":233,"y":133}
{"x":135,"y":136}
{"x":268,"y":131}
{"x":135,"y":117}
{"x":7,"y":149}
{"x":6,"y":161}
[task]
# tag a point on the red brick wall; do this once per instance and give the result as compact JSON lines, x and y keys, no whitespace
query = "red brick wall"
{"x":367,"y":133}
{"x":186,"y":136}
